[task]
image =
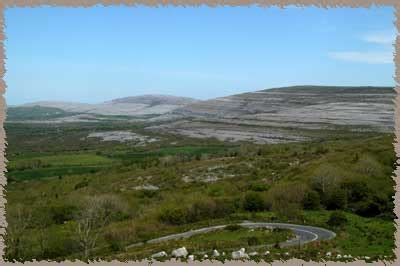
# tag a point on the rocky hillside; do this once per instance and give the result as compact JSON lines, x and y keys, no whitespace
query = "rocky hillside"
{"x":154,"y":100}
{"x":129,"y":106}
{"x":276,"y":115}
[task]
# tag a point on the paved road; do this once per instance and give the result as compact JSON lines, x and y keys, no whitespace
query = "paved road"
{"x":304,"y":233}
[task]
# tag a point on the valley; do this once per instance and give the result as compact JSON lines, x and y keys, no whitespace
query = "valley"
{"x":310,"y":156}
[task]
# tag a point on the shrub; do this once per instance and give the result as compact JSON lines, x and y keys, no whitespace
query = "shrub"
{"x":174,"y":216}
{"x":233,"y":227}
{"x":337,"y":200}
{"x":253,"y":202}
{"x":337,"y":219}
{"x":357,"y":190}
{"x":287,"y":199}
{"x":373,"y":206}
{"x":148,"y":193}
{"x":253,"y":241}
{"x":202,"y":210}
{"x":62,"y":213}
{"x":58,"y":244}
{"x":312,"y":201}
{"x":258,"y":187}
{"x":224,"y":207}
{"x":118,"y":238}
{"x":81,"y":184}
{"x":321,"y":150}
{"x":369,"y":166}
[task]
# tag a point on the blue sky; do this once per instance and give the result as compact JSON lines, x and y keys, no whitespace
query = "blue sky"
{"x":97,"y":54}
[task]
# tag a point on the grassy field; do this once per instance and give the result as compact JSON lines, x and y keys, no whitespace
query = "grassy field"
{"x":57,"y":176}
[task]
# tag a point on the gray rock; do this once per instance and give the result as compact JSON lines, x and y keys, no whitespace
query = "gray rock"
{"x":215,"y":253}
{"x":265,"y":116}
{"x":240,"y":254}
{"x":180,"y":252}
{"x":159,"y":254}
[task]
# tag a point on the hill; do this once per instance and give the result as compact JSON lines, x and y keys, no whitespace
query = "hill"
{"x":136,"y":106}
{"x":287,"y":114}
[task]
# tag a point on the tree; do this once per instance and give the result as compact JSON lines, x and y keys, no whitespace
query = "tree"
{"x":287,"y":199}
{"x":325,"y":179}
{"x":369,"y":166}
{"x":18,"y":220}
{"x":96,"y":213}
{"x":41,"y":221}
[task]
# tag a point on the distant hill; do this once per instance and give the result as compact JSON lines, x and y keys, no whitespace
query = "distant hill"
{"x":34,"y":112}
{"x":266,"y":116}
{"x":153,"y":100}
{"x":285,"y":114}
{"x":130,"y":106}
{"x":332,"y":89}
{"x":302,"y":104}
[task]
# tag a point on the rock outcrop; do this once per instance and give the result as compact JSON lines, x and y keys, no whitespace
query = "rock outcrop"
{"x":286,"y":114}
{"x":180,"y":252}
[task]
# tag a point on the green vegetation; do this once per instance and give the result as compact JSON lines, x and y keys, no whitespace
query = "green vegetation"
{"x":34,"y":113}
{"x":251,"y":239}
{"x":69,"y":196}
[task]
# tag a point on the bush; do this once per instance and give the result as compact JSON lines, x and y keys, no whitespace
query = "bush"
{"x":174,"y":216}
{"x":321,"y":150}
{"x":56,"y":244}
{"x":369,"y":166}
{"x":375,"y":205}
{"x":258,"y":187}
{"x":81,"y":184}
{"x":253,"y":241}
{"x":337,"y":200}
{"x":148,"y":193}
{"x":253,"y":202}
{"x":62,"y":213}
{"x":357,"y":190}
{"x":287,"y":199}
{"x":202,"y":209}
{"x":224,"y":207}
{"x":337,"y":219}
{"x":117,"y":239}
{"x":312,"y":201}
{"x":233,"y":227}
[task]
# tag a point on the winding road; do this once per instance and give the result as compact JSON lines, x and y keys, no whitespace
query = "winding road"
{"x":304,"y":233}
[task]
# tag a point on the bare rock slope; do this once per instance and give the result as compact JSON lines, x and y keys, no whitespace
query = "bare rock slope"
{"x":279,"y":115}
{"x":129,"y":106}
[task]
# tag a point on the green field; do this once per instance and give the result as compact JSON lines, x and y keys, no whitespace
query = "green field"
{"x":57,"y":177}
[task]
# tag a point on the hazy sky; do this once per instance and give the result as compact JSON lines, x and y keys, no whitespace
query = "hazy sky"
{"x":97,"y":54}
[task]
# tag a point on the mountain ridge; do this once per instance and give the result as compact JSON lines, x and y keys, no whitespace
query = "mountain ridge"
{"x":286,"y":114}
{"x":132,"y":106}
